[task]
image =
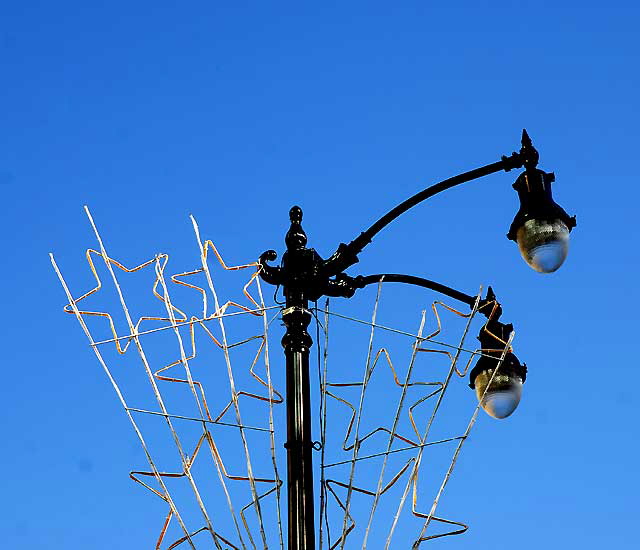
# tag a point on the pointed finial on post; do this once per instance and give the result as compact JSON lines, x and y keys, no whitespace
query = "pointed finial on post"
{"x":491,"y":295}
{"x":528,"y":152}
{"x":489,"y":306}
{"x":527,"y":156}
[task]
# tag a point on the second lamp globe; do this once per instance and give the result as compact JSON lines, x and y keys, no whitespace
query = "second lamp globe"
{"x":498,"y":375}
{"x":498,"y":385}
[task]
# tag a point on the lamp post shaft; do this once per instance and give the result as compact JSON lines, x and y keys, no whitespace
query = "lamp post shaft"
{"x":296,"y":343}
{"x":298,"y":262}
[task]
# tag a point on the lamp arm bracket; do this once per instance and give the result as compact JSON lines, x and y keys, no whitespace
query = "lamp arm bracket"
{"x":488,"y":306}
{"x":270,"y":274}
{"x":347,"y":256}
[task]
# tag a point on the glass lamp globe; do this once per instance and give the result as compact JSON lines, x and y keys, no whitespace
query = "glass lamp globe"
{"x":541,"y":227}
{"x":498,"y":392}
{"x":543,"y":244}
{"x":501,"y":396}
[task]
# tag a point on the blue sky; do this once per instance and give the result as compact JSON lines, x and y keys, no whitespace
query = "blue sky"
{"x":235,"y":112}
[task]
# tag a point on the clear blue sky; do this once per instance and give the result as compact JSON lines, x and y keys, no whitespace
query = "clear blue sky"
{"x":150,"y":111}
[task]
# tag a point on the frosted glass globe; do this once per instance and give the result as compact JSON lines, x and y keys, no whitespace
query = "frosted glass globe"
{"x":544,"y":244}
{"x":503,"y":395}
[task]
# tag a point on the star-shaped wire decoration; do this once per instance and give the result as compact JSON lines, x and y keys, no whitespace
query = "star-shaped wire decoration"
{"x":250,"y":482}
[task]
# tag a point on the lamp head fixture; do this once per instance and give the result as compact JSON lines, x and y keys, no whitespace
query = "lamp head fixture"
{"x":541,"y":227}
{"x":498,"y":375}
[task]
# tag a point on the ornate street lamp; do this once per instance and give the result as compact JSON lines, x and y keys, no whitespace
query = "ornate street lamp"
{"x":541,"y":229}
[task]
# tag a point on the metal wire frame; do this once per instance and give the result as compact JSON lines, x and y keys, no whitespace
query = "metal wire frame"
{"x":417,"y":443}
{"x":176,"y":318}
{"x":178,"y":371}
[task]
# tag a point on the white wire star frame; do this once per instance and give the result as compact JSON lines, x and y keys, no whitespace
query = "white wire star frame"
{"x":201,"y":396}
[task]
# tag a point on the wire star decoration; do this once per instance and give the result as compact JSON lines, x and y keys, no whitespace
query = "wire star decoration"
{"x":209,"y":386}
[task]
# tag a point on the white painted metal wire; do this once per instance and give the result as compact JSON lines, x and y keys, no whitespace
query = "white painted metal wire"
{"x":205,"y":382}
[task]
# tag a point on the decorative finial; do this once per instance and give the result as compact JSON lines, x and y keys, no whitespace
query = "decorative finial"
{"x":296,"y":239}
{"x":295,"y":214}
{"x":528,"y":152}
{"x":490,"y":294}
{"x":489,"y":306}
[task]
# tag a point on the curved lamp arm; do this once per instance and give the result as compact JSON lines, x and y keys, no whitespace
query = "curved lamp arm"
{"x":347,"y":254}
{"x":363,"y":281}
{"x":488,"y":306}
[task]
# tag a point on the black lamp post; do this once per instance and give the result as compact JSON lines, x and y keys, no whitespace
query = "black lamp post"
{"x":541,"y":229}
